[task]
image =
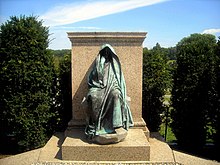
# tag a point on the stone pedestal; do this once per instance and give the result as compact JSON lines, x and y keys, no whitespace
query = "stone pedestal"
{"x":85,"y":48}
{"x":135,"y":147}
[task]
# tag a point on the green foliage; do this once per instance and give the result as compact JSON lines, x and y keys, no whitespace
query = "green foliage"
{"x":58,"y":56}
{"x":193,"y":92}
{"x":156,"y":80}
{"x":170,"y":135}
{"x":27,"y":77}
{"x":65,"y":95}
{"x":171,"y":53}
{"x":216,"y":118}
{"x":61,"y":53}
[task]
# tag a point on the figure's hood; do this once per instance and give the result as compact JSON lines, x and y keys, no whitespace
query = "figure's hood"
{"x":109,"y":46}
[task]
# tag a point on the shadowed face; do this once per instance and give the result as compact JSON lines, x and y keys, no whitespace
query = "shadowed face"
{"x":106,"y":53}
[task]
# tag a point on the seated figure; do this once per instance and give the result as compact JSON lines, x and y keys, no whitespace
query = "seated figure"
{"x":109,"y":115}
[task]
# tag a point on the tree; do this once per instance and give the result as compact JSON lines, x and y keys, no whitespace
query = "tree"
{"x":65,"y":91}
{"x":171,"y":53}
{"x":156,"y":80}
{"x":58,"y":56}
{"x":61,"y":53}
{"x":26,"y":76}
{"x":193,"y":89}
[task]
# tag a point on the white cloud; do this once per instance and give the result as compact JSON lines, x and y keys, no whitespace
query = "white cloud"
{"x":75,"y":12}
{"x":211,"y":31}
{"x":65,"y":14}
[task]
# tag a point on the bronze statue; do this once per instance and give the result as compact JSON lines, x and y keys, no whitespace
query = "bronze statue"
{"x":109,"y":115}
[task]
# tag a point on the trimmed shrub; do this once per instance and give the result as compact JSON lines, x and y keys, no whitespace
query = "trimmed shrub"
{"x":216,"y":118}
{"x":27,"y":82}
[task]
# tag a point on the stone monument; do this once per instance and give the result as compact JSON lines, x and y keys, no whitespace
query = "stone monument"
{"x":85,"y":47}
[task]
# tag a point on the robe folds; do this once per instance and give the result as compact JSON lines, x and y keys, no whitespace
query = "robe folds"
{"x":108,"y":107}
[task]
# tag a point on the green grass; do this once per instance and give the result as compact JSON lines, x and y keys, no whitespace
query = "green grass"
{"x":170,"y":135}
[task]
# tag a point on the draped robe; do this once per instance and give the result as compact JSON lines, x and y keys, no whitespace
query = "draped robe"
{"x":107,"y":96}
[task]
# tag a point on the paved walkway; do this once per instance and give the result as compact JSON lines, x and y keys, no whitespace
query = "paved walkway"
{"x":51,"y":153}
{"x":161,"y":151}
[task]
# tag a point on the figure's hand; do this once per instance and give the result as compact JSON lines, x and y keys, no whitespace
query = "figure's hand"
{"x":101,"y":84}
{"x":100,"y":81}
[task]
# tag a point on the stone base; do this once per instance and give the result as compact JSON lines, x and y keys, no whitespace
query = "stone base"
{"x":81,"y":124}
{"x":119,"y":135}
{"x":135,"y":147}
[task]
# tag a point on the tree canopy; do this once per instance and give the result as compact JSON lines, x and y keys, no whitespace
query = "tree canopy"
{"x":193,"y":91}
{"x":27,"y":81}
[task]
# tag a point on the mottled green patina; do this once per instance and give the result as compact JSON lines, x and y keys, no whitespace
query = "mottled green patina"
{"x":109,"y":109}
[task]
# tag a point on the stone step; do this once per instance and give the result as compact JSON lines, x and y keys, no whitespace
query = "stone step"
{"x":106,"y":163}
{"x":135,"y":147}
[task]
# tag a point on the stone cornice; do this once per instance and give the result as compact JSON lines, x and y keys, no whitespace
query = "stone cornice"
{"x":113,"y":38}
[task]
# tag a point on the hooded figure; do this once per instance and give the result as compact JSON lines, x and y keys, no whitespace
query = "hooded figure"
{"x":107,"y":96}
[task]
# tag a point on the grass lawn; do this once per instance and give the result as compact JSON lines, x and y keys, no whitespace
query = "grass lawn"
{"x":170,"y":135}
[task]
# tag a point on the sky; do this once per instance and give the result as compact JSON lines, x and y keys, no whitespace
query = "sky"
{"x":165,"y":21}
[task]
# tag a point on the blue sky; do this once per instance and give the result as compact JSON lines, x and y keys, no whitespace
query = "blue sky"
{"x":166,"y":22}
